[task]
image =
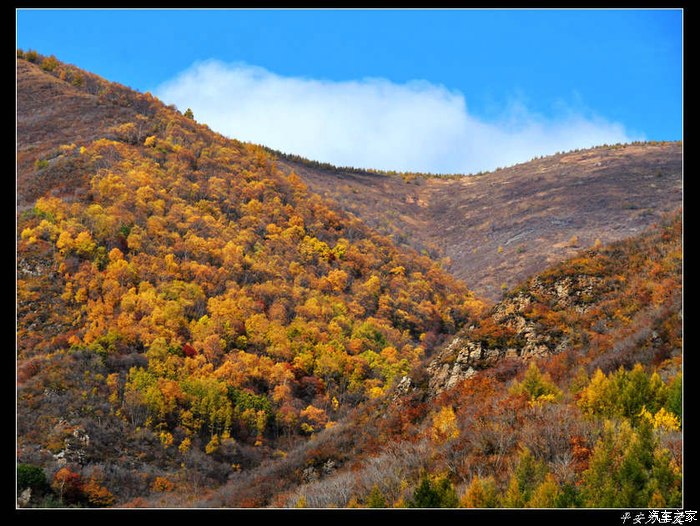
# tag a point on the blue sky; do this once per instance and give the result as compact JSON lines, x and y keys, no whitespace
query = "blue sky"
{"x":445,"y":90}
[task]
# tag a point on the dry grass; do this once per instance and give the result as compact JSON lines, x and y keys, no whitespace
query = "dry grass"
{"x":532,"y":210}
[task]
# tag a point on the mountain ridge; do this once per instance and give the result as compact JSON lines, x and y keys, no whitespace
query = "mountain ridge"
{"x":491,"y":230}
{"x":496,"y":228}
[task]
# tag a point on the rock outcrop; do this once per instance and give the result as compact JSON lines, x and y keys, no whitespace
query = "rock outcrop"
{"x":471,"y":351}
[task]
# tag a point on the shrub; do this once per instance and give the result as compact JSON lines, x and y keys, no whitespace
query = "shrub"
{"x":49,"y":63}
{"x":162,"y":484}
{"x":29,"y":476}
{"x":376,"y":498}
{"x":434,"y":492}
{"x":77,"y":81}
{"x":98,"y":495}
{"x":674,"y":402}
{"x":481,"y":493}
{"x":537,"y":386}
{"x":68,"y":485}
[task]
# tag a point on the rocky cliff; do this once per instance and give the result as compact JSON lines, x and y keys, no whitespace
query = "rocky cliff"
{"x":591,"y":303}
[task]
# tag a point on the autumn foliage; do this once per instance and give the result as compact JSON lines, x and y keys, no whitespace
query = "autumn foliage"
{"x":198,"y":323}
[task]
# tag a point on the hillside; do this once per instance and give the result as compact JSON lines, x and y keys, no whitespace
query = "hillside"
{"x":614,"y":306}
{"x":198,"y":326}
{"x":489,"y":230}
{"x":181,"y":301}
{"x":498,"y":228}
{"x":544,"y":402}
{"x":60,"y":109}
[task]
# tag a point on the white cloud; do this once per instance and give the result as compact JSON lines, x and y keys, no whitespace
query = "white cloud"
{"x":374,"y":123}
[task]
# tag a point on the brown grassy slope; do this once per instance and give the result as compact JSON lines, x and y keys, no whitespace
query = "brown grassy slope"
{"x":531,"y":210}
{"x":51,"y":113}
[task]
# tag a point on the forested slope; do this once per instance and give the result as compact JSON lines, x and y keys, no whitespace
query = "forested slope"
{"x":574,"y":399}
{"x":197,"y":327}
{"x":179,"y":297}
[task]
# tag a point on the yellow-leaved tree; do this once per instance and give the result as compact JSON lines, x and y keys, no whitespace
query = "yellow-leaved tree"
{"x":444,"y":425}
